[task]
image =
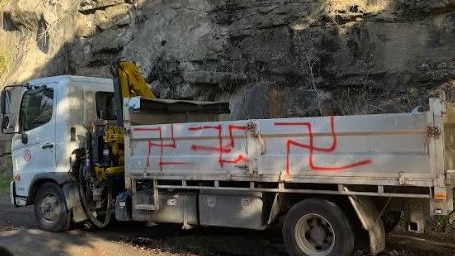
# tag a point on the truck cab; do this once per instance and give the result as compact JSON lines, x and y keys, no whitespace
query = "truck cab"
{"x":52,"y":116}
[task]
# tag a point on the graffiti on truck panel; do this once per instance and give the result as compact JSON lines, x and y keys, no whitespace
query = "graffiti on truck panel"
{"x":220,"y":148}
{"x":312,"y":148}
{"x":161,"y":145}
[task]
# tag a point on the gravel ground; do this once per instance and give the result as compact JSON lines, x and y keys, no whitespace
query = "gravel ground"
{"x":18,"y":232}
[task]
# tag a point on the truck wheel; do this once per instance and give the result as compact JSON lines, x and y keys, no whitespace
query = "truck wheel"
{"x":50,"y":208}
{"x":316,"y":227}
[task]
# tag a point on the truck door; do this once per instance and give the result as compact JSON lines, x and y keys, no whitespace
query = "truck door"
{"x":33,"y":148}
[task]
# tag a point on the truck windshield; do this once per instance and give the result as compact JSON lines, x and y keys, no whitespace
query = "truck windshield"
{"x":36,"y":108}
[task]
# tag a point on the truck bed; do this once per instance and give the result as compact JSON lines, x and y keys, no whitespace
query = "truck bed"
{"x":400,"y":149}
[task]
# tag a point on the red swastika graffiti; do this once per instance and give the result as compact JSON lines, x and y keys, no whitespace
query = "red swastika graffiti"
{"x":312,"y":148}
{"x":161,"y":145}
{"x":220,"y":148}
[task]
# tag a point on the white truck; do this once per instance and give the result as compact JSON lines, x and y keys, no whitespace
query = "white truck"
{"x":330,"y":179}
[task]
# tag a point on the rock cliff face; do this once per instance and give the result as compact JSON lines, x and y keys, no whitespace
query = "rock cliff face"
{"x":273,"y":58}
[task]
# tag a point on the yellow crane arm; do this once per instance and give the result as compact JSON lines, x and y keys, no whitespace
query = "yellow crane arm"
{"x":128,"y":82}
{"x":131,"y":81}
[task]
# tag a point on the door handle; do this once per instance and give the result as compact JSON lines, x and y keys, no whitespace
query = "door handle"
{"x":47,"y":145}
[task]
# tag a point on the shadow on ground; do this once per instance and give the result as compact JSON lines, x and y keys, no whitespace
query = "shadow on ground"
{"x":19,"y":234}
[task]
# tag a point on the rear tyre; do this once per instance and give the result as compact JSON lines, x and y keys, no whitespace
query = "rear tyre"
{"x":50,"y":208}
{"x":315,"y":227}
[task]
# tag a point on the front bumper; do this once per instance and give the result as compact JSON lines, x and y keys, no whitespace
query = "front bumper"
{"x":15,"y":200}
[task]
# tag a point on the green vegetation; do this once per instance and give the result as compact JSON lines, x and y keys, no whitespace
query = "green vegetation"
{"x":5,"y":169}
{"x":5,"y":179}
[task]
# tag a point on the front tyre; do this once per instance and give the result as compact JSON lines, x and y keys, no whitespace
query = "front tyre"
{"x":50,"y":208}
{"x":316,"y":227}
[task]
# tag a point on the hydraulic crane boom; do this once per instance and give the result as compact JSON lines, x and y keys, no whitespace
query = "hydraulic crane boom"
{"x":128,"y":82}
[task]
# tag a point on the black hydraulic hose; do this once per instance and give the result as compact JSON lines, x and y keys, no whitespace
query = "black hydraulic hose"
{"x":82,"y":195}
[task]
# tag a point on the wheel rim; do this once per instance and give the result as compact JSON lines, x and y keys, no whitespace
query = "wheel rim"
{"x":315,"y":235}
{"x":49,"y":207}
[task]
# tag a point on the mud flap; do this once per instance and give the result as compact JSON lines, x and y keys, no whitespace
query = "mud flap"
{"x":275,"y":210}
{"x":371,"y":221}
{"x":73,"y":202}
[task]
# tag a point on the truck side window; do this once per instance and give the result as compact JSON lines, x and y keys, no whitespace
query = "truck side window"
{"x":105,"y":105}
{"x":36,"y":108}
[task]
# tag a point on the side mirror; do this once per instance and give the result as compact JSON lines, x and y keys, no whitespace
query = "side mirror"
{"x":5,"y":101}
{"x":24,"y":137}
{"x":5,"y":123}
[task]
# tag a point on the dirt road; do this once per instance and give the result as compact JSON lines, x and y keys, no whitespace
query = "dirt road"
{"x":19,"y":234}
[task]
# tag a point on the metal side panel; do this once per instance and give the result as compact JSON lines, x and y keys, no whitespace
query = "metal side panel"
{"x":231,"y":210}
{"x":381,"y":149}
{"x":361,"y":145}
{"x":187,"y":148}
{"x":176,"y":208}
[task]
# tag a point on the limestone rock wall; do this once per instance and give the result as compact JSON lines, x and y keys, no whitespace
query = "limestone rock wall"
{"x":273,"y":58}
